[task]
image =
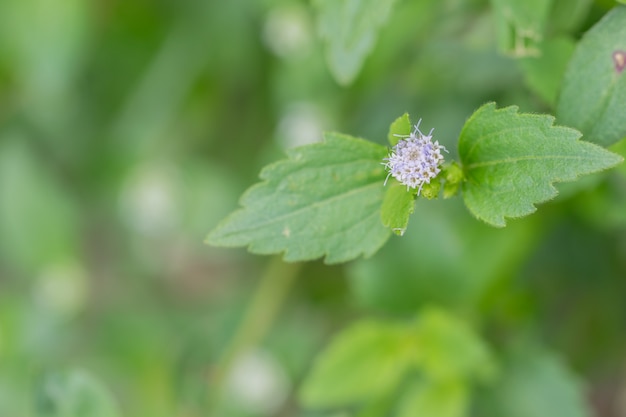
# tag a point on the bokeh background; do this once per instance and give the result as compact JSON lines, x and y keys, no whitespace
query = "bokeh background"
{"x":128,"y":129}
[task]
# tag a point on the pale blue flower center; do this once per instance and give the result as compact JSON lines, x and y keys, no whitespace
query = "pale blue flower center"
{"x":415,"y":160}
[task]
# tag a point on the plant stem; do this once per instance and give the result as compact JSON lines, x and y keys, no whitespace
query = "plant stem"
{"x":259,"y":317}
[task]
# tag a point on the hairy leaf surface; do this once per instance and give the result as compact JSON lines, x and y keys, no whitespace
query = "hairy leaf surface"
{"x":323,"y":201}
{"x":511,"y":160}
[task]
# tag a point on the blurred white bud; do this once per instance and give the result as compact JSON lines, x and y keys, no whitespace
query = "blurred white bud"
{"x":148,"y":200}
{"x":301,"y":124}
{"x":61,"y":289}
{"x":258,"y":383}
{"x":287,"y":32}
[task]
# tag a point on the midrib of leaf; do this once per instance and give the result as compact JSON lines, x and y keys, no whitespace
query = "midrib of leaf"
{"x":497,"y":133}
{"x":307,"y":207}
{"x":525,"y":158}
{"x":505,"y":152}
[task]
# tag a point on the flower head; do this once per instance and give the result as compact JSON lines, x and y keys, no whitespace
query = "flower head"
{"x":415,"y":159}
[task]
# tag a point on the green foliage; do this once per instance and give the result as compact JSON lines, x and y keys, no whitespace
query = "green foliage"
{"x":510,"y":161}
{"x":74,"y":393}
{"x":567,"y":16}
{"x":349,"y":29}
{"x":323,"y":201}
{"x":520,"y":25}
{"x":124,"y":138}
{"x":544,"y":73}
{"x":434,"y":399}
{"x":364,"y":363}
{"x":32,"y":240}
{"x":448,"y":350}
{"x":369,"y":360}
{"x":537,"y":383}
{"x":398,"y":205}
{"x":399,"y":128}
{"x":594,"y":88}
{"x":452,"y":176}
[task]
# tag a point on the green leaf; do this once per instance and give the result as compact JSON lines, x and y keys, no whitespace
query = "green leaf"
{"x":363,"y":363}
{"x":594,"y":87}
{"x":520,"y":25}
{"x":399,"y":128}
{"x":537,"y":383}
{"x":323,"y":201}
{"x":449,"y":350}
{"x":510,"y":161}
{"x":544,"y":73}
{"x":349,"y":29}
{"x":426,"y":398}
{"x":74,"y":393}
{"x":567,"y":16}
{"x":398,"y":205}
{"x":38,"y":220}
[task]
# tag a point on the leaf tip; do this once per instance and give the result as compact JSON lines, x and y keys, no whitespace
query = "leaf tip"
{"x":495,"y":221}
{"x":214,"y":238}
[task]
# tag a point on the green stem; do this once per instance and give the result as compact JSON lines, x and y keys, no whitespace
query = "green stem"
{"x":259,"y":317}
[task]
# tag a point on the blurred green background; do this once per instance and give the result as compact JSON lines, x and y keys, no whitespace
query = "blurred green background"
{"x":128,"y":129}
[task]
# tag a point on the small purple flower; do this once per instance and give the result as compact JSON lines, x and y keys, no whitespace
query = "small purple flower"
{"x":415,"y":159}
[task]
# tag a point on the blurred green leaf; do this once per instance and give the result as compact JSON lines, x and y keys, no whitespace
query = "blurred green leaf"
{"x":448,"y":350}
{"x":46,"y":46}
{"x":322,"y":201}
{"x":566,"y":16}
{"x":398,"y":205}
{"x":536,"y":383}
{"x":72,"y":394}
{"x":544,"y":73}
{"x":425,"y":398}
{"x":511,"y":160}
{"x":38,"y":222}
{"x":363,"y":363}
{"x":349,"y":29}
{"x":366,"y":362}
{"x":520,"y":25}
{"x":594,"y":87}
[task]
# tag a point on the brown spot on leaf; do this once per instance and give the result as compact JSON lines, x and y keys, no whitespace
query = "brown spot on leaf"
{"x":619,"y":59}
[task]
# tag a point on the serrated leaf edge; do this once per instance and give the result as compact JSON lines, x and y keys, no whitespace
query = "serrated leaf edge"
{"x":293,"y":155}
{"x":553,"y":191}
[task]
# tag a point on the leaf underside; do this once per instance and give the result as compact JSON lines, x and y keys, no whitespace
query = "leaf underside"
{"x":323,"y":201}
{"x":511,"y":160}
